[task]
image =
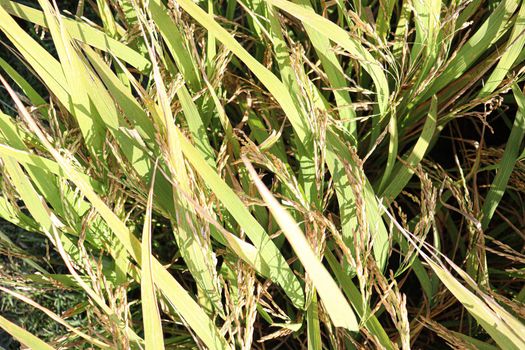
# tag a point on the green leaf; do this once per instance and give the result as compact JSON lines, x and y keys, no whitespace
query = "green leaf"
{"x":175,"y":42}
{"x":153,"y":335}
{"x":508,"y":161}
{"x":507,"y":331}
{"x":490,"y":31}
{"x":314,"y":331}
{"x":333,"y":300}
{"x":514,"y":46}
{"x":404,"y":170}
{"x":28,"y":90}
{"x":23,"y":336}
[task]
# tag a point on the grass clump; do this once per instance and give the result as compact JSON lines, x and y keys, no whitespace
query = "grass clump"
{"x":266,"y":174}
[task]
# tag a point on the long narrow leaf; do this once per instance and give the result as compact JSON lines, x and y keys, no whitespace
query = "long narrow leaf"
{"x":333,"y":300}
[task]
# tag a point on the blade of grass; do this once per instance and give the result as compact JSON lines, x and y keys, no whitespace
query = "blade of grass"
{"x":123,"y":97}
{"x":514,"y":46}
{"x":403,"y":172}
{"x":371,"y":322}
{"x":50,"y":71}
{"x":110,"y":26}
{"x":334,"y":73}
{"x":196,"y":125}
{"x":175,"y":43}
{"x":502,"y":326}
{"x":426,"y":20}
{"x":383,"y":18}
{"x":153,"y":335}
{"x":290,"y":77}
{"x":333,"y":300}
{"x":312,"y":319}
{"x":78,"y":83}
{"x":393,"y":144}
{"x":275,"y":86}
{"x":491,"y":30}
{"x":29,"y":159}
{"x":401,"y":35}
{"x":336,"y":154}
{"x":23,"y":336}
{"x":28,"y":90}
{"x":507,"y":163}
{"x":480,"y":345}
{"x":48,"y":222}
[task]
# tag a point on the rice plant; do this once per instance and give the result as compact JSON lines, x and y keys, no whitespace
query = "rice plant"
{"x":264,"y":174}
